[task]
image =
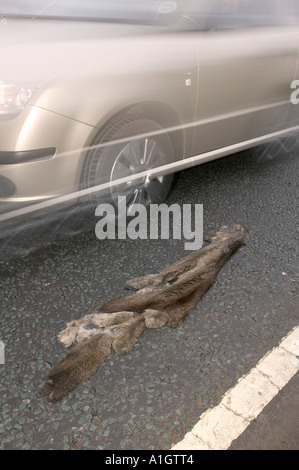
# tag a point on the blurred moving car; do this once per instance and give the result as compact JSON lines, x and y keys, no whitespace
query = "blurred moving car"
{"x":101,"y":99}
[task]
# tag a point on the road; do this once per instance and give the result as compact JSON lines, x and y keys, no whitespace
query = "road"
{"x":150,"y":398}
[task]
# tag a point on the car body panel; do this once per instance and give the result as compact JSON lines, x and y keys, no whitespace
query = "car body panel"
{"x":46,"y":178}
{"x":244,"y":86}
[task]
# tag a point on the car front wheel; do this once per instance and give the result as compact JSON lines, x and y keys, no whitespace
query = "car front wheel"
{"x":127,"y":147}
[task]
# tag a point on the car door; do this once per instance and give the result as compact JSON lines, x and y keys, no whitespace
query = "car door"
{"x":247,"y":56}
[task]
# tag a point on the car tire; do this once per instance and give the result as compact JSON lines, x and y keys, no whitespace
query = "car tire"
{"x":107,"y":162}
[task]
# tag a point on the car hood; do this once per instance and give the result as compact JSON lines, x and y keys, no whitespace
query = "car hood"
{"x":35,"y":51}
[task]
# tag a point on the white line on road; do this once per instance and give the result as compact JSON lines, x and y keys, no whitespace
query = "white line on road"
{"x":218,"y":427}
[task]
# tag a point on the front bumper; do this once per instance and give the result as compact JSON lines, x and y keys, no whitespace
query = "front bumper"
{"x":15,"y":158}
{"x":7,"y":186}
{"x":41,"y":156}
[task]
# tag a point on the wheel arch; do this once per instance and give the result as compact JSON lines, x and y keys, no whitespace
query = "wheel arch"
{"x":156,"y":111}
{"x":143,"y":114}
{"x":159,"y":112}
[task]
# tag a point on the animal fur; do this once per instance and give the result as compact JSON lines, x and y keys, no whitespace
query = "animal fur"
{"x":165,"y":298}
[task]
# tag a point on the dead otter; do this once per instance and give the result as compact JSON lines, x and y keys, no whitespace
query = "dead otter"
{"x":165,"y":298}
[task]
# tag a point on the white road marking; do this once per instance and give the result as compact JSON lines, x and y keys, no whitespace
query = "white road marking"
{"x":218,"y":427}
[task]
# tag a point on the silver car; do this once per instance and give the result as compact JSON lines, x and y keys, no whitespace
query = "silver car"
{"x":101,"y":99}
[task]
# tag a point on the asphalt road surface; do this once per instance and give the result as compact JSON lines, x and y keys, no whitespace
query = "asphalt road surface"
{"x":150,"y":398}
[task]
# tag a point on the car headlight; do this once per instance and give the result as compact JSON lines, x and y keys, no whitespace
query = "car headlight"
{"x":13,"y":98}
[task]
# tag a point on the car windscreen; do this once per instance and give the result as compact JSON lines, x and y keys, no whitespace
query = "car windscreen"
{"x":105,"y":10}
{"x":186,"y":14}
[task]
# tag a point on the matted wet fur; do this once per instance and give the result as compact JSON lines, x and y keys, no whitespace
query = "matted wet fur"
{"x":165,"y":298}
